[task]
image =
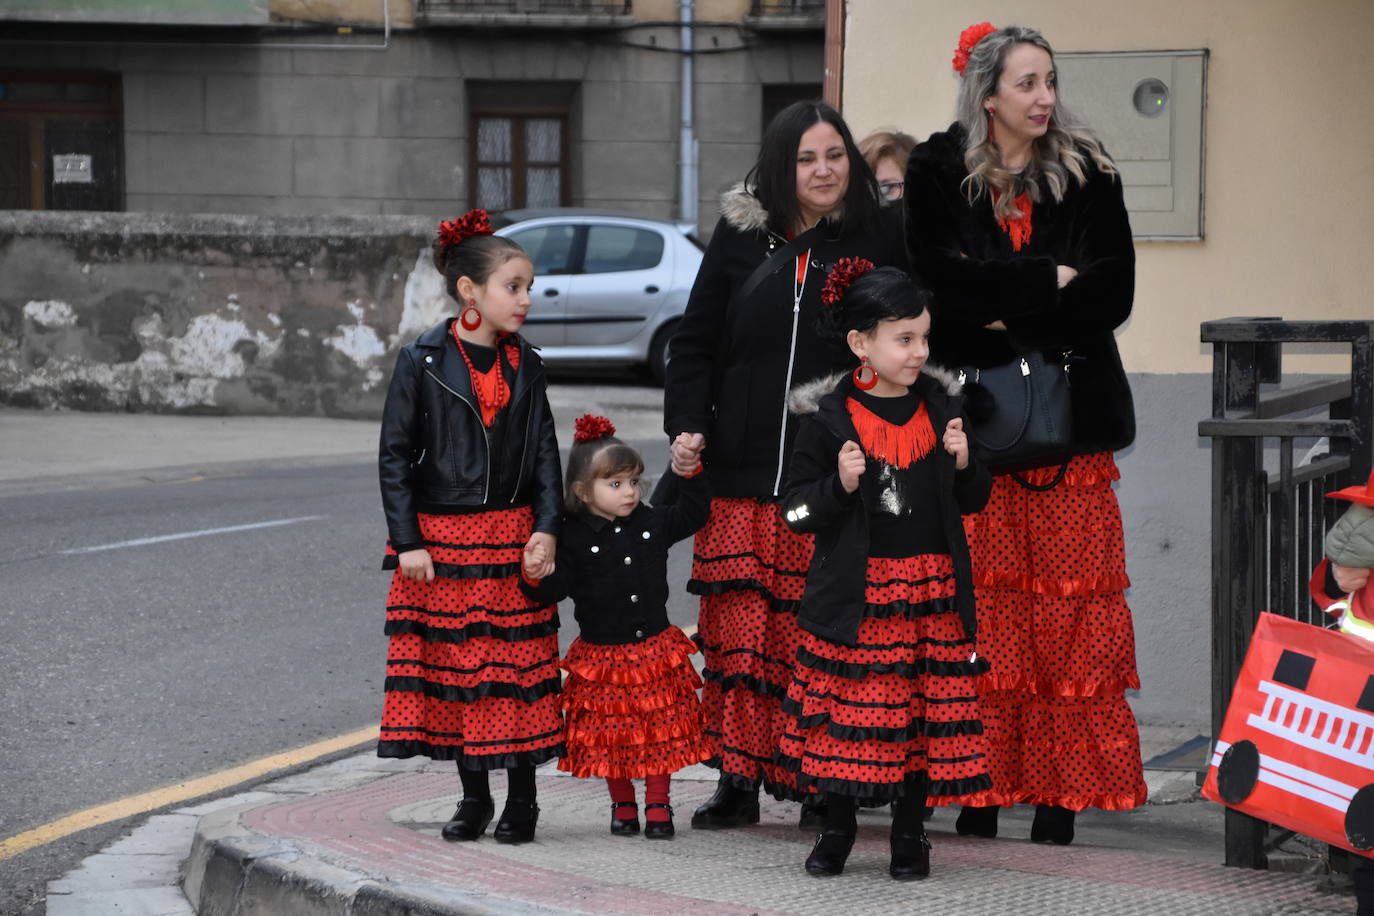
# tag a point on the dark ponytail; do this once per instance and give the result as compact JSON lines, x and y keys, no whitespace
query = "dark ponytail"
{"x":881,"y":294}
{"x":476,"y":257}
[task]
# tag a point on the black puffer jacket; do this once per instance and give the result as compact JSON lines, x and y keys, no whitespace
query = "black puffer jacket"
{"x":733,"y":362}
{"x":816,"y":503}
{"x":436,"y":455}
{"x":960,"y":253}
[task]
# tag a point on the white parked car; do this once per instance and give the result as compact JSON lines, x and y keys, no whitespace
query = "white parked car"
{"x":609,"y":288}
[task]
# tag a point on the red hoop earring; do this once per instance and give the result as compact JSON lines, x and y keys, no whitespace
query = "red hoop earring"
{"x":860,"y":381}
{"x":473,"y":321}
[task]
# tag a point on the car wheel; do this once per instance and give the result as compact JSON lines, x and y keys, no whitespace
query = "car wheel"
{"x":658,"y":352}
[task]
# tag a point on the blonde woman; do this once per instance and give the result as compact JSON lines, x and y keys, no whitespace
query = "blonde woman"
{"x":1015,"y":221}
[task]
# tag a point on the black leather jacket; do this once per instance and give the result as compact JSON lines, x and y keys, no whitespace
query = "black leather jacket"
{"x":435,"y":453}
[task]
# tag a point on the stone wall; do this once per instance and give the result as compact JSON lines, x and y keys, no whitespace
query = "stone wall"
{"x":213,"y":314}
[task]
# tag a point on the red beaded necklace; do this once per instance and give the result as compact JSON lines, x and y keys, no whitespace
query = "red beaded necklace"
{"x":490,"y":387}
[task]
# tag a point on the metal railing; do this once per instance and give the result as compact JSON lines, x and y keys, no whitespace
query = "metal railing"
{"x":1269,"y":518}
{"x":500,"y":7}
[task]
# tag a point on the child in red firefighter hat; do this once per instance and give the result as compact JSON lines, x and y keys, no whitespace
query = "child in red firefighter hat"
{"x":1340,"y":585}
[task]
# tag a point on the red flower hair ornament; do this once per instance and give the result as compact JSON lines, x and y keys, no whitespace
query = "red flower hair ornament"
{"x":589,"y":428}
{"x":845,"y":272}
{"x":473,"y":222}
{"x":968,"y":39}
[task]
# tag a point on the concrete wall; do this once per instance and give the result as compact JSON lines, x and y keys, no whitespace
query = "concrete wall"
{"x":1285,"y":235}
{"x":253,"y":130}
{"x":211,"y":314}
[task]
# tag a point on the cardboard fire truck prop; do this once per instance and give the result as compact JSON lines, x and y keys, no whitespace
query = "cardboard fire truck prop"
{"x":1297,"y":746}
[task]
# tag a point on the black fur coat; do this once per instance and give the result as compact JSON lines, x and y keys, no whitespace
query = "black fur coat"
{"x":959,"y":252}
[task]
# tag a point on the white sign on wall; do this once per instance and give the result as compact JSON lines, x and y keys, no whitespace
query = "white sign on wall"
{"x":72,"y":168}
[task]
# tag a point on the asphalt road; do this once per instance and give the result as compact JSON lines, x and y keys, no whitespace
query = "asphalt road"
{"x":130,"y":668}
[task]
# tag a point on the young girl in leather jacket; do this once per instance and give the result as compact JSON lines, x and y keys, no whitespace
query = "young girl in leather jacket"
{"x":470,"y":484}
{"x":882,"y":700}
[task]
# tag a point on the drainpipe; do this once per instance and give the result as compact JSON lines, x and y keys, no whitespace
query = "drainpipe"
{"x":687,"y":141}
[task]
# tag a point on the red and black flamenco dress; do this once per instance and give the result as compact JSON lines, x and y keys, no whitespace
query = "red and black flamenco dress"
{"x":1050,"y":570}
{"x":750,"y":570}
{"x":472,"y":664}
{"x":897,"y":711}
{"x":632,"y":709}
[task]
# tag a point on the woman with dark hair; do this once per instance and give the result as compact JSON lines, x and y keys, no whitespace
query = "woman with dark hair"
{"x":1015,"y":221}
{"x":746,"y":339}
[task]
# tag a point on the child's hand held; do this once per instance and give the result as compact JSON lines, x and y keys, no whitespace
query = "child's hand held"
{"x":851,"y":465}
{"x":956,"y":442}
{"x":416,"y":564}
{"x":538,"y":555}
{"x":1349,"y":578}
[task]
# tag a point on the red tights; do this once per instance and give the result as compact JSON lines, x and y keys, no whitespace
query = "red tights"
{"x":656,"y":792}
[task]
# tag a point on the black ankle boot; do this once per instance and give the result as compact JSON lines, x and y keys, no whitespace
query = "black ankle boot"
{"x":469,"y":820}
{"x":977,"y":821}
{"x":517,"y":821}
{"x":830,"y":853}
{"x":1052,"y":824}
{"x":812,"y":816}
{"x":658,"y":830}
{"x":624,"y":826}
{"x":910,"y":856}
{"x":729,"y":807}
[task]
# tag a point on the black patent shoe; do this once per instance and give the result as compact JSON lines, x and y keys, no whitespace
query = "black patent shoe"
{"x":1052,"y":824}
{"x":658,"y":830}
{"x":624,"y":826}
{"x":469,"y":820}
{"x":517,"y":822}
{"x":728,"y":807}
{"x":977,"y":821}
{"x":830,"y":853}
{"x":910,"y":856}
{"x":812,"y":814}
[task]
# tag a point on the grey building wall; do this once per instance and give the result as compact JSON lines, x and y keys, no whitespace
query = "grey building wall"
{"x":254,"y":130}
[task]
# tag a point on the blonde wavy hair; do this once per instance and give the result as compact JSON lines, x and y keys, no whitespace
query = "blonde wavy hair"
{"x":1058,"y":156}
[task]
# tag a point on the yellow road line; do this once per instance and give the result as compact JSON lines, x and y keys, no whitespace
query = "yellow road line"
{"x":182,"y":791}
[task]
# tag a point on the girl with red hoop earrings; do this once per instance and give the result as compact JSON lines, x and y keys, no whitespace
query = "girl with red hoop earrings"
{"x":471,"y":487}
{"x":882,"y":702}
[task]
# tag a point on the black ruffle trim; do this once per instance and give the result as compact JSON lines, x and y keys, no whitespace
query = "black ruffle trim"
{"x":808,"y":659}
{"x":776,"y":605}
{"x":474,"y":609}
{"x":917,"y":728}
{"x":744,"y":784}
{"x":472,"y":631}
{"x":470,"y":761}
{"x":871,"y":794}
{"x":747,"y":681}
{"x":463,"y":570}
{"x":483,"y":691}
{"x":908,"y":609}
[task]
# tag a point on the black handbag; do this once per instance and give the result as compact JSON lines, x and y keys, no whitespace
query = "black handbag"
{"x":1031,"y":421}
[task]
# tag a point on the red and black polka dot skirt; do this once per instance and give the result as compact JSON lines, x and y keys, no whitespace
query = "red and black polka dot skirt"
{"x":1050,"y":569}
{"x":867,"y":720}
{"x":632,"y":710}
{"x":750,"y":570}
{"x":472,"y":666}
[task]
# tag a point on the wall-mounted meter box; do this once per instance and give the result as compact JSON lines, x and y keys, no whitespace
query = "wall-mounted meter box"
{"x":1147,"y":107}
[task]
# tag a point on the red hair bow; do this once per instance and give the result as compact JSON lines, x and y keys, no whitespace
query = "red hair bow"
{"x":589,"y":428}
{"x":473,"y":222}
{"x":845,"y":272}
{"x":968,"y":39}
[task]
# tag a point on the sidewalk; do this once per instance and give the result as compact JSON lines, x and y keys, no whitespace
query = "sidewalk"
{"x":360,"y":836}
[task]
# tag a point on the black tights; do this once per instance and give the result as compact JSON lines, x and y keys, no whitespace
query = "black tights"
{"x":908,"y":811}
{"x":519,"y":783}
